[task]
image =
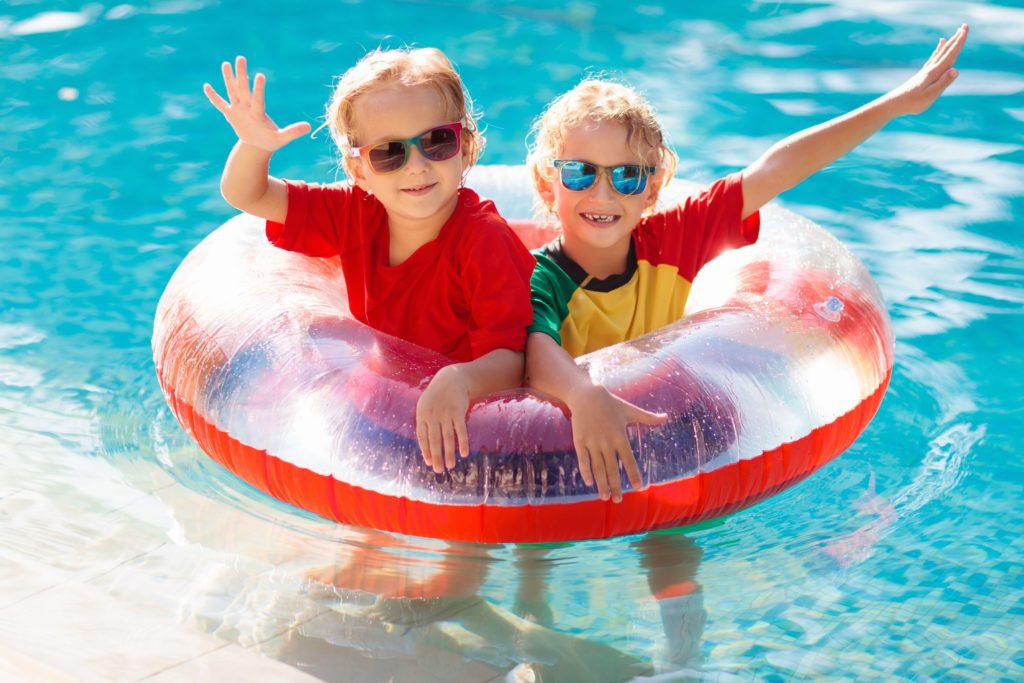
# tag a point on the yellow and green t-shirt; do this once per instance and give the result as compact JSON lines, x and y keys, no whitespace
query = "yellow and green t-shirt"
{"x":668,"y":248}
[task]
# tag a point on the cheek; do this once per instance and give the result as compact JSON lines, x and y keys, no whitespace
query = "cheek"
{"x":566,"y":210}
{"x":454,"y":172}
{"x":563,"y":201}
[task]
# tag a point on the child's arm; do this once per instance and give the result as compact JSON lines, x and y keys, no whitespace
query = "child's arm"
{"x":791,"y":161}
{"x":441,"y":410}
{"x":246,"y":183}
{"x":599,"y":418}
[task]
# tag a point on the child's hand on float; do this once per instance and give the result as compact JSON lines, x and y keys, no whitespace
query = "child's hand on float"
{"x":937,"y":74}
{"x":246,"y":111}
{"x":441,"y":419}
{"x":599,"y":420}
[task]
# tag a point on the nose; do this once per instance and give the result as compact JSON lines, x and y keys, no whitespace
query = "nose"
{"x":417,"y":163}
{"x":602,"y":187}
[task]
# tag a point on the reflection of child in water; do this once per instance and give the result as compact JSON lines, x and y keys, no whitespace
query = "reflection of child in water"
{"x":670,"y":559}
{"x":423,"y":590}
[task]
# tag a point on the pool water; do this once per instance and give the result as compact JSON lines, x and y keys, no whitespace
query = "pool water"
{"x":121,"y":542}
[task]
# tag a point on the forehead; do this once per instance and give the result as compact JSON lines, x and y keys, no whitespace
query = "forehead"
{"x":605,"y":143}
{"x":397,"y":111}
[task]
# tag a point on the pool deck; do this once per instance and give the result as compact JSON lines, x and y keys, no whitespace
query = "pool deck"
{"x":77,"y":577}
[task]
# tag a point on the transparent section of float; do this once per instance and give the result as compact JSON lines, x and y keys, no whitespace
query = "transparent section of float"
{"x":779,"y":339}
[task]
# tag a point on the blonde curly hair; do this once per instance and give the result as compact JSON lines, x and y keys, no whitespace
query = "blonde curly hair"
{"x":597,"y":100}
{"x":408,"y":67}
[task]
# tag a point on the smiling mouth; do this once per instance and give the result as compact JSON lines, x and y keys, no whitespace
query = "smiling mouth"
{"x":419,"y":189}
{"x":600,"y":218}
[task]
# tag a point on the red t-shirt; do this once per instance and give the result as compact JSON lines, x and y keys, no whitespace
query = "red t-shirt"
{"x":464,"y":294}
{"x":690,"y":234}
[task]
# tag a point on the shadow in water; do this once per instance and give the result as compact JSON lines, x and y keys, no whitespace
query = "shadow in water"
{"x":426,"y":618}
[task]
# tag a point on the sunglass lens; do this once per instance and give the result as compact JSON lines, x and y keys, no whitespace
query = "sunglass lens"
{"x":440,"y":144}
{"x":388,"y":157}
{"x":629,"y":179}
{"x":577,"y":175}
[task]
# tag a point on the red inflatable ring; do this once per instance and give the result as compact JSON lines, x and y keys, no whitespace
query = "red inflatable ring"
{"x":778,"y":366}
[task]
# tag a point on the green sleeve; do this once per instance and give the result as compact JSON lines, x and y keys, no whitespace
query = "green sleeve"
{"x":550,"y":292}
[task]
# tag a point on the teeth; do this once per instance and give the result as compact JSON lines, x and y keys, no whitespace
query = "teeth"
{"x":600,"y":217}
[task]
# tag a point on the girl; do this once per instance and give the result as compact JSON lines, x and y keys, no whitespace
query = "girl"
{"x":424,"y":258}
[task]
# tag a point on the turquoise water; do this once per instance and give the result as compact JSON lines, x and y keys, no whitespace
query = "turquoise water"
{"x":901,"y":559}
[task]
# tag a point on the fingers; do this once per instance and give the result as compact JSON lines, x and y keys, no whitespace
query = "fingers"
{"x":951,"y":48}
{"x":583,"y":457}
{"x":236,"y":83}
{"x":940,"y":71}
{"x":600,"y":468}
{"x":259,"y":87}
{"x":448,"y":441}
{"x":441,"y":409}
{"x":599,"y":472}
{"x":295,"y":130}
{"x":424,"y":443}
{"x":463,"y":436}
{"x":601,"y":443}
{"x":613,"y":480}
{"x":629,"y":464}
{"x":935,"y":90}
{"x":242,"y":78}
{"x":229,"y":82}
{"x":936,"y":52}
{"x":437,"y":442}
{"x":434,"y":441}
{"x":646,"y":417}
{"x":429,"y":440}
{"x":947,"y":51}
{"x":215,"y":99}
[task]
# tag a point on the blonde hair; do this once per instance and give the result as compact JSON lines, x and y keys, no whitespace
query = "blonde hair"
{"x":407,"y":67}
{"x":596,"y":100}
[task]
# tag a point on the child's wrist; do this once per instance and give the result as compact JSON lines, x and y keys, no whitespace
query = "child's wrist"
{"x":456,"y":376}
{"x":895,"y":104}
{"x":249,"y":148}
{"x":581,"y":394}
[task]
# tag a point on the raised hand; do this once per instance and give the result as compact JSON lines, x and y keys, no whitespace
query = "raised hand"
{"x":245,"y":110}
{"x":918,"y":93}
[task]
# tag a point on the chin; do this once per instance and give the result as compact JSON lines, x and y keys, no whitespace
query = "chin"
{"x":602,"y":240}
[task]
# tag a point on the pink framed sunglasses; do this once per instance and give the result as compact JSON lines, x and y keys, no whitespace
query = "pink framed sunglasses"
{"x":436,"y":144}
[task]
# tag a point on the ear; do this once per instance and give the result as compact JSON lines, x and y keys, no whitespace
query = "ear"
{"x":543,"y":183}
{"x":654,"y":184}
{"x":356,"y":170}
{"x":469,"y":150}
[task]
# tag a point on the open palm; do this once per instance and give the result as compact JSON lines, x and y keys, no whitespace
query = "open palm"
{"x":924,"y":87}
{"x":246,"y":111}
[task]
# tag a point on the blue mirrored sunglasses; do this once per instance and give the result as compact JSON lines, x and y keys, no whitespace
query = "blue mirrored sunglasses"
{"x":578,"y":176}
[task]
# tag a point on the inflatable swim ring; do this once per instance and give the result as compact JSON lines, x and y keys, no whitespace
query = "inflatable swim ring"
{"x":778,"y":366}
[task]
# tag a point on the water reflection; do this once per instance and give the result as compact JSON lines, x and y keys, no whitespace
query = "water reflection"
{"x":327,"y":598}
{"x":435,"y":603}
